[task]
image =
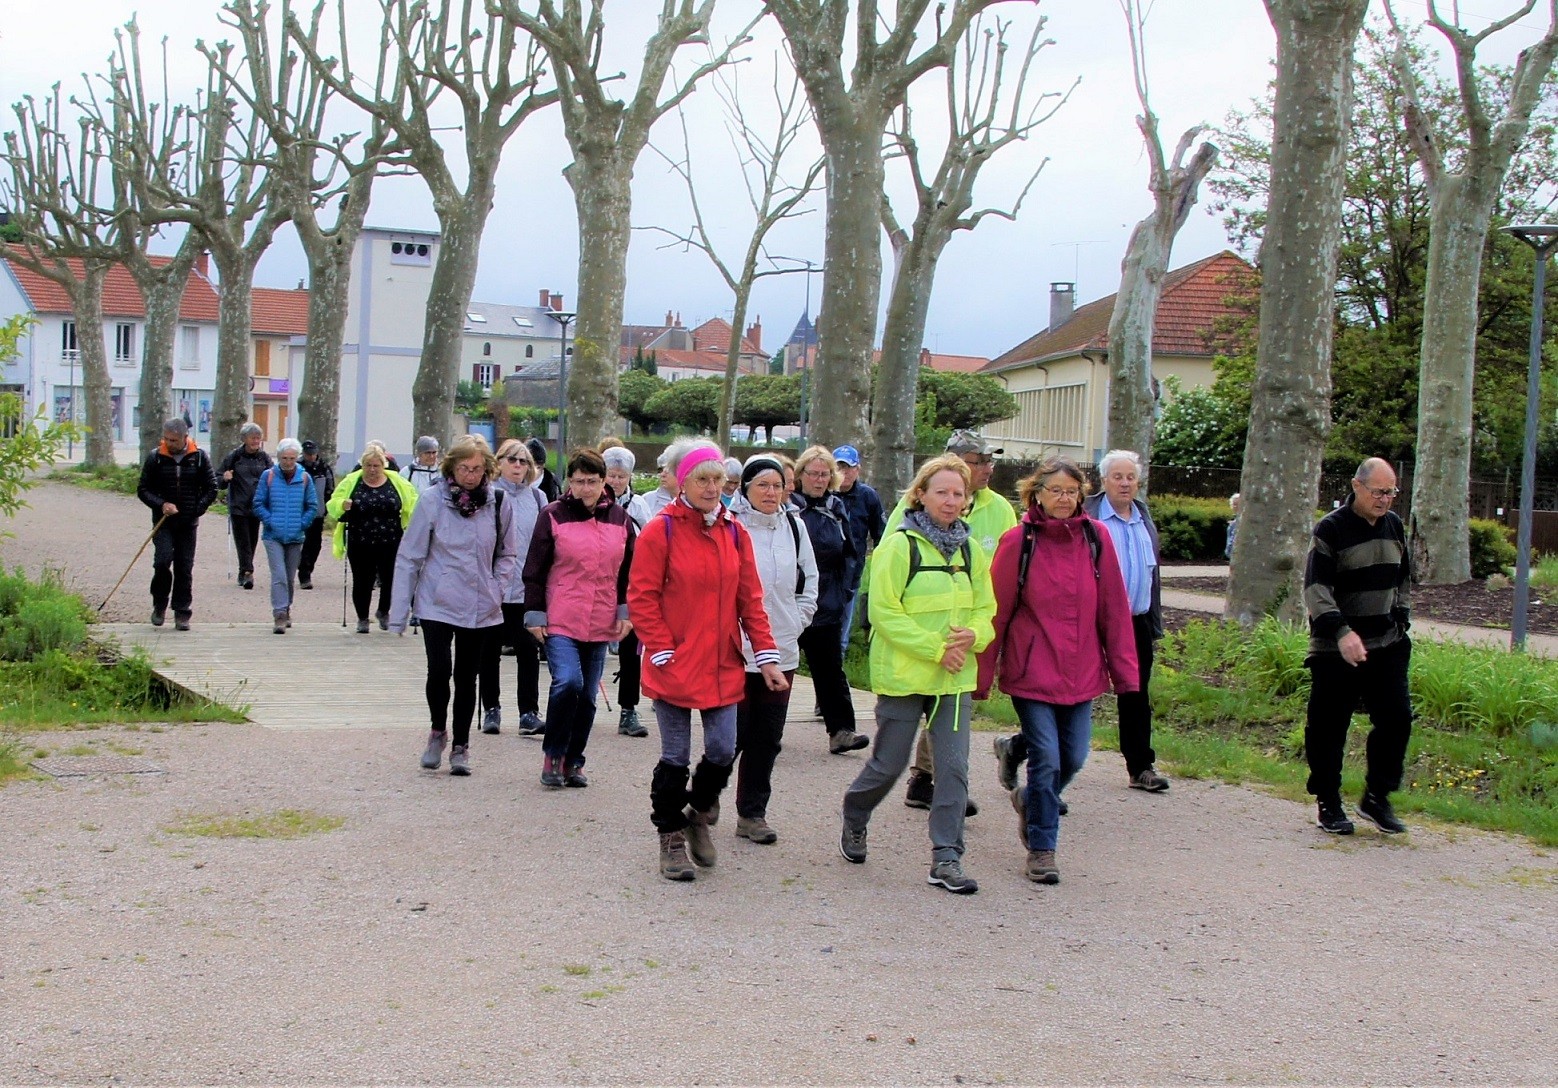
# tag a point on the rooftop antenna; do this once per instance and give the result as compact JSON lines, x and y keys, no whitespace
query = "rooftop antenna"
{"x":1076,"y":254}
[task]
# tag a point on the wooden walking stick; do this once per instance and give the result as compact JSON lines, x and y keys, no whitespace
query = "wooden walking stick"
{"x":131,"y":567}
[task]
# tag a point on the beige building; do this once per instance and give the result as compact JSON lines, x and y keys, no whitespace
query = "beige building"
{"x":1060,"y":376}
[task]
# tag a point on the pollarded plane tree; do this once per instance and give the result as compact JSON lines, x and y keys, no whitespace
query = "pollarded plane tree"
{"x":885,"y":57}
{"x":1174,"y":184}
{"x":1461,"y":206}
{"x":771,"y":198}
{"x":56,"y":192}
{"x":1290,"y":406}
{"x":988,"y":108}
{"x":606,"y":134}
{"x":494,"y":75}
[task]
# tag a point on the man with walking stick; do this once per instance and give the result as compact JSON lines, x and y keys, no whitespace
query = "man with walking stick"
{"x":178,"y":485}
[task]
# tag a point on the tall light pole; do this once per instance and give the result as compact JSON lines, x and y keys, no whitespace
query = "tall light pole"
{"x":562,"y":317}
{"x":811,"y":334}
{"x":1543,"y":240}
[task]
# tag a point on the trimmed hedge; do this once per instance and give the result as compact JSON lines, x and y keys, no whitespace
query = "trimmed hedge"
{"x":1190,"y":529}
{"x":1492,"y":550}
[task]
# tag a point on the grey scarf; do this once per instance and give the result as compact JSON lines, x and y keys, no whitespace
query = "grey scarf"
{"x":947,"y":541}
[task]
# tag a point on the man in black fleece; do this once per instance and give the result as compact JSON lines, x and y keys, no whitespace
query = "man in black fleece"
{"x":1356,"y":593}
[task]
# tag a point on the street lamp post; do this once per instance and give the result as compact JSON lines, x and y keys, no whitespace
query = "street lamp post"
{"x":811,"y":335}
{"x":1543,"y":240}
{"x":562,"y":317}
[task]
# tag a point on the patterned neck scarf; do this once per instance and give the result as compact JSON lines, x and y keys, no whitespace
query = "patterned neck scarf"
{"x":468,"y":502}
{"x":947,"y":541}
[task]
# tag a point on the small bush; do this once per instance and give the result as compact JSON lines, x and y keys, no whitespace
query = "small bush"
{"x":38,"y":616}
{"x":1491,"y":548}
{"x":1190,"y":528}
{"x":121,"y":479}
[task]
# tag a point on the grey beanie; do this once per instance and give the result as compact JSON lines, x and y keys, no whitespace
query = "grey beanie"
{"x":756,"y":465}
{"x":619,"y":457}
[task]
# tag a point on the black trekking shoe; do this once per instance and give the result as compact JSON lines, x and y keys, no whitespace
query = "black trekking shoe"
{"x":920,"y":790}
{"x":1333,"y":817}
{"x":1376,"y":809}
{"x":1006,"y":762}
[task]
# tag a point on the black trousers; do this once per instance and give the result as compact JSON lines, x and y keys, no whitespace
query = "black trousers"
{"x":246,"y":536}
{"x":313,"y":540}
{"x":759,"y":731}
{"x":629,"y":668}
{"x":1136,"y":707}
{"x":825,"y":659}
{"x":1335,"y":691}
{"x":527,"y":657}
{"x":370,"y":562}
{"x":453,"y":652}
{"x":173,"y":566}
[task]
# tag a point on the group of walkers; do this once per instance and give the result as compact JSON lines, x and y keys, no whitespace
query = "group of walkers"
{"x":712,"y":588}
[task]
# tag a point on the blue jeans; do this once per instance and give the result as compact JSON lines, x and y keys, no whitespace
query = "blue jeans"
{"x":719,"y":733}
{"x":1058,"y":738}
{"x":570,"y":711}
{"x":283,"y":560}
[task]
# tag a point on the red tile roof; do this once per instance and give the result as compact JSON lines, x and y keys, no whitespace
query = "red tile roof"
{"x":714,"y":335}
{"x":121,"y":297}
{"x":1196,"y":300}
{"x":279,"y":311}
{"x":713,"y":362}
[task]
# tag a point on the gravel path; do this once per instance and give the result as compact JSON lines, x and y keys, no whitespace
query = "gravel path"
{"x":487,"y":931}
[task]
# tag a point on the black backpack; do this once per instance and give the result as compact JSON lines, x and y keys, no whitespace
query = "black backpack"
{"x":1030,"y":534}
{"x":917,"y":564}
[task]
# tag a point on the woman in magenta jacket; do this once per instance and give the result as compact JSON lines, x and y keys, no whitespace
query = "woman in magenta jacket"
{"x":1062,"y":633}
{"x":694,"y":591}
{"x":576,"y":582}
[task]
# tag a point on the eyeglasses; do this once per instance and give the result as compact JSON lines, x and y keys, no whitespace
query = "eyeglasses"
{"x":821,"y":474}
{"x":519,"y":460}
{"x":975,"y":461}
{"x":1383,"y":492}
{"x":476,"y":469}
{"x":585,"y":481}
{"x":1064,"y":492}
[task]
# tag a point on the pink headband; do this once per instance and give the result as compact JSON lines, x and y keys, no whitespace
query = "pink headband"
{"x":700,"y":455}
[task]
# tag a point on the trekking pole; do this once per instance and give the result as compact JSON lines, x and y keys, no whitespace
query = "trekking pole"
{"x":605,"y":697}
{"x":131,"y":567}
{"x":346,"y":577}
{"x":229,"y":544}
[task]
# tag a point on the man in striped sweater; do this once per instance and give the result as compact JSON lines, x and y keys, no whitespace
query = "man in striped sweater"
{"x":1355,"y":591}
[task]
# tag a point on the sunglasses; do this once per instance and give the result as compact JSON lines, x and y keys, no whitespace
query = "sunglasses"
{"x":519,"y":460}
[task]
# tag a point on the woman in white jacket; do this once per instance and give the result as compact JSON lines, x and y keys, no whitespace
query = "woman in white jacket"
{"x":788,"y":569}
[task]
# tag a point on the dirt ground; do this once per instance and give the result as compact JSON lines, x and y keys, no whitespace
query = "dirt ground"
{"x":484,"y":930}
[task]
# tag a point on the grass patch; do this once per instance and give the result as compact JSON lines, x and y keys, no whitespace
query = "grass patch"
{"x":286,"y":823}
{"x":122,"y":479}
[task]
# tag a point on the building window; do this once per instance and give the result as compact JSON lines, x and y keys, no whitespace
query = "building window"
{"x":486,"y":349}
{"x":411,"y":253}
{"x":68,"y":348}
{"x":484,"y":374}
{"x":124,"y":343}
{"x":189,"y":347}
{"x":1055,"y":416}
{"x":530,"y":351}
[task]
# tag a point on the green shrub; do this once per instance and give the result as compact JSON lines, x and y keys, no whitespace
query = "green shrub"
{"x":38,"y":616}
{"x":1492,"y":550}
{"x":122,"y":479}
{"x":1190,"y":528}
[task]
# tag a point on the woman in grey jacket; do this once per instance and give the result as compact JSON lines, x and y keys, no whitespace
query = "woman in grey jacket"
{"x":454,"y":563}
{"x":788,"y":569}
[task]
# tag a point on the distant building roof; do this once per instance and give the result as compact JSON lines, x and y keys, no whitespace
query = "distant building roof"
{"x":804,"y":334}
{"x":121,"y":297}
{"x":277,"y":311}
{"x":1193,"y":301}
{"x":496,"y":320}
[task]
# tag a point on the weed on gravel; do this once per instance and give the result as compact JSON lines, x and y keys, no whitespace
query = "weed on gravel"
{"x":286,"y":823}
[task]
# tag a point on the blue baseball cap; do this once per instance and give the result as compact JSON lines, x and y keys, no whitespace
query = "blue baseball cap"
{"x":847,"y":455}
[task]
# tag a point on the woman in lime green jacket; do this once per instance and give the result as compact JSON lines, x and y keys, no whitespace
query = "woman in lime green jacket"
{"x":931,"y":611}
{"x":372,"y":508}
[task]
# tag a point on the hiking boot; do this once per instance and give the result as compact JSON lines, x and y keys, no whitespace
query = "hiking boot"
{"x":1376,"y":809}
{"x":433,"y":755}
{"x":1150,"y":780}
{"x":949,"y":875}
{"x":280,"y":624}
{"x":1041,"y":867}
{"x":852,"y":844}
{"x":629,"y":725}
{"x":1006,"y":762}
{"x":700,"y":843}
{"x":362,"y":627}
{"x":288,"y":615}
{"x":846,"y":740}
{"x":531,"y":725}
{"x":181,"y":623}
{"x":305,"y":581}
{"x":1019,"y":799}
{"x":159,"y":616}
{"x":246,"y":581}
{"x":460,"y":761}
{"x":755,"y":829}
{"x":1332,"y":817}
{"x":383,"y":621}
{"x":573,"y":775}
{"x":970,"y":808}
{"x":674,"y":862}
{"x":921,"y":788}
{"x":492,"y":720}
{"x":1062,"y":807}
{"x":552,"y":772}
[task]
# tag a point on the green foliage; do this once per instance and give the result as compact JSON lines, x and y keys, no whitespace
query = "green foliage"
{"x":38,"y":616}
{"x":25,"y":445}
{"x":960,"y":400}
{"x":1492,"y":550}
{"x":1200,"y":428}
{"x":644,"y":362}
{"x":286,"y":823}
{"x":768,"y":401}
{"x":470,"y":399}
{"x":1190,"y":528}
{"x":690,"y":402}
{"x":120,"y":479}
{"x":527,"y":422}
{"x":927,"y":435}
{"x":634,"y":390}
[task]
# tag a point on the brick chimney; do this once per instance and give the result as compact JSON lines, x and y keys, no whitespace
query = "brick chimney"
{"x":557,"y":302}
{"x":925,"y":358}
{"x":546,"y":299}
{"x":668,"y":319}
{"x":203,"y":264}
{"x":755,"y":333}
{"x":1062,"y":303}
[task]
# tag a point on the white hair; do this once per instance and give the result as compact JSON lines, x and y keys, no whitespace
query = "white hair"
{"x":289,"y":444}
{"x":1129,"y":456}
{"x":672,"y":457}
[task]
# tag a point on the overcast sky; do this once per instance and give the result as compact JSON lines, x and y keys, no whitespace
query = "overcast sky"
{"x":1205,"y":57}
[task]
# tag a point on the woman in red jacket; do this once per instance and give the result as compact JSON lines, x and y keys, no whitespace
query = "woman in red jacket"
{"x":1062,"y":632}
{"x":693,"y":591}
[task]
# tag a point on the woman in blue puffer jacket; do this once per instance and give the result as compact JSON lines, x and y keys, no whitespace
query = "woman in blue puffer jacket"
{"x":285,"y":502}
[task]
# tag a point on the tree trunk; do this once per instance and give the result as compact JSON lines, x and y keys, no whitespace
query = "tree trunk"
{"x":86,"y":303}
{"x":230,"y":405}
{"x":1290,"y":407}
{"x":602,"y":194}
{"x":891,"y":451}
{"x":162,"y":288}
{"x":454,"y":278}
{"x":851,"y":283}
{"x":1132,"y":416}
{"x":727,"y":404}
{"x":1458,"y":229}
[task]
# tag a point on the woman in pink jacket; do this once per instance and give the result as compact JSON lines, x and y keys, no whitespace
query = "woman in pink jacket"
{"x":1062,"y":632}
{"x":576,"y":583}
